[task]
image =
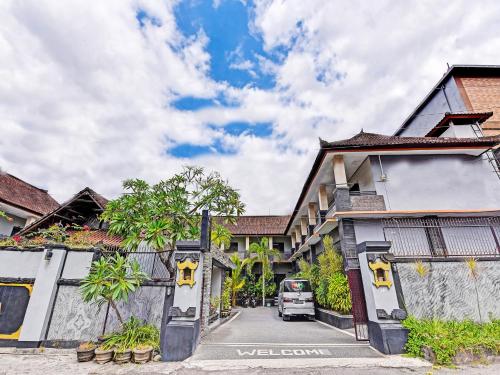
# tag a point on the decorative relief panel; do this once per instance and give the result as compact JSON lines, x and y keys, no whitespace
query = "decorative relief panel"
{"x":74,"y":319}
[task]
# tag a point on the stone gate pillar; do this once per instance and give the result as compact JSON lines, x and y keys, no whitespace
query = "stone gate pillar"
{"x":182,"y":332}
{"x":384,"y":313}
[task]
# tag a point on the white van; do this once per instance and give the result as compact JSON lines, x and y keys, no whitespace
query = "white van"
{"x":295,"y":298}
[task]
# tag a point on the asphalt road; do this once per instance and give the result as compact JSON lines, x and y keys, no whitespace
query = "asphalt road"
{"x":260,"y":334}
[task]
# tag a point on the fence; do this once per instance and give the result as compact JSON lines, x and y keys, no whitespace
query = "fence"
{"x":443,"y":237}
{"x":148,"y":259}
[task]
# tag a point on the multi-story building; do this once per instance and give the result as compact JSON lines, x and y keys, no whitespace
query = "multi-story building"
{"x":248,"y":229}
{"x":23,"y":203}
{"x":466,"y":94}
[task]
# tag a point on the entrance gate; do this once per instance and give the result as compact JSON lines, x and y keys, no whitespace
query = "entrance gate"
{"x":359,"y":314}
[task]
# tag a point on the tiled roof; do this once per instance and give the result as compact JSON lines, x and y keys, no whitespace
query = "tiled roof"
{"x":101,"y":236}
{"x":73,"y":211}
{"x":21,"y":194}
{"x":458,"y":118}
{"x":372,"y":140}
{"x":257,"y":225}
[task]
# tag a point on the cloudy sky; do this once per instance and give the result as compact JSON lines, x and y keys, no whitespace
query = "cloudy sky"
{"x":94,"y":92}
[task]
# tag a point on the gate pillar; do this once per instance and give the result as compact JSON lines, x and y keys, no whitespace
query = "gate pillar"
{"x":384,"y":313}
{"x":182,"y":332}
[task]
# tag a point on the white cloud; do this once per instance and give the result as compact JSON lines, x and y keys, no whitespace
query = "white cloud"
{"x":85,"y":92}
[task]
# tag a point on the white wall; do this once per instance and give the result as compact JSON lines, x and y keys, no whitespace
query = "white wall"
{"x":19,"y":264}
{"x":437,"y":182}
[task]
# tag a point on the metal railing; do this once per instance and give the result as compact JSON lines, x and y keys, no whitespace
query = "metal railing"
{"x":443,"y":237}
{"x":148,"y":259}
{"x":362,"y":192}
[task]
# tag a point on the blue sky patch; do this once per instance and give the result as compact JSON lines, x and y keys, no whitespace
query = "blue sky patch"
{"x":234,"y":50}
{"x":191,"y":103}
{"x":143,"y":17}
{"x":188,"y":150}
{"x":263,"y":129}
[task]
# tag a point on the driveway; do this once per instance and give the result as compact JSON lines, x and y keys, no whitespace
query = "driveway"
{"x":260,"y":334}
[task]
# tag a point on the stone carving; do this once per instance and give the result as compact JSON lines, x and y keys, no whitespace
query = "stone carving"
{"x":146,"y":304}
{"x":73,"y":319}
{"x":186,"y":272}
{"x":447,"y":291}
{"x":176,"y":312}
{"x":182,"y":256}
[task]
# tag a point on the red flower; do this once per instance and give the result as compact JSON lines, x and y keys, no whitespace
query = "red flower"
{"x":17,"y":238}
{"x":86,"y":228}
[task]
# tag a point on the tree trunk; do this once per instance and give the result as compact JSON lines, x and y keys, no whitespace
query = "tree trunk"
{"x":166,"y":259}
{"x":119,"y":316}
{"x":263,"y":287}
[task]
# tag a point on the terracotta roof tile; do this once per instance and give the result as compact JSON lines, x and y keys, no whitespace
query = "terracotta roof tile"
{"x":457,"y":117}
{"x":373,"y":140}
{"x":257,"y":225}
{"x":19,"y":193}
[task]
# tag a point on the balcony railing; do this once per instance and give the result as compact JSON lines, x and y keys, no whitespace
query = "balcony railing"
{"x":443,"y":237}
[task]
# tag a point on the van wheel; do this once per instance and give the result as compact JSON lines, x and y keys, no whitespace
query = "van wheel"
{"x":280,"y":314}
{"x":286,"y":318}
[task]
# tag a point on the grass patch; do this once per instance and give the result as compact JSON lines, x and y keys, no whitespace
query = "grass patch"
{"x":447,"y":338}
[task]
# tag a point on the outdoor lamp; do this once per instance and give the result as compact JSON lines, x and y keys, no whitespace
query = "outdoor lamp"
{"x":48,"y":254}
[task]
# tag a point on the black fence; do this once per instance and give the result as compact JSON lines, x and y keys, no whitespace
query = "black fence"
{"x":443,"y":237}
{"x":149,"y":261}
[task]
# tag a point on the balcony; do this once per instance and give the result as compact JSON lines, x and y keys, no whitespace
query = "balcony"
{"x":366,"y":201}
{"x":443,"y":237}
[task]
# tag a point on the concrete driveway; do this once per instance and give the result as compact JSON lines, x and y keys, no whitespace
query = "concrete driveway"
{"x":260,"y":334}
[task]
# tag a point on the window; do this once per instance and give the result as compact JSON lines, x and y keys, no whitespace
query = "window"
{"x":233,"y":246}
{"x":297,"y":286}
{"x":280,"y":246}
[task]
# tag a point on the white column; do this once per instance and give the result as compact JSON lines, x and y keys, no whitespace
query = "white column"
{"x":322,"y":197}
{"x":303,"y":226}
{"x":247,"y":243}
{"x":311,"y":212}
{"x":339,"y":171}
{"x":270,"y":240}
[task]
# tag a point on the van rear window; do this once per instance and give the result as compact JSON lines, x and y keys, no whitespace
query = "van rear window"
{"x":297,"y":286}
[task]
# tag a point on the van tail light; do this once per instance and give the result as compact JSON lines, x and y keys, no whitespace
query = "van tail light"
{"x":286,"y":299}
{"x":310,"y":299}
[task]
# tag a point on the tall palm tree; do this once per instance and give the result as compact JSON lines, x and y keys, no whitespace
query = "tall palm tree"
{"x":265,"y":256}
{"x":237,"y":279}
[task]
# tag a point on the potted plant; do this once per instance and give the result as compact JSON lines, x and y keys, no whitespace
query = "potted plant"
{"x":103,"y":354}
{"x":122,"y":355}
{"x":142,"y":353}
{"x":85,"y":352}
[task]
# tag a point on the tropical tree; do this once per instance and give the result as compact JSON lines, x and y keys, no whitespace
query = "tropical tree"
{"x":237,"y":279}
{"x":220,"y":235}
{"x":169,"y":211}
{"x":112,"y":279}
{"x":264,"y":255}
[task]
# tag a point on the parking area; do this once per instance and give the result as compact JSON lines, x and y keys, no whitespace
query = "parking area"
{"x":259,"y":333}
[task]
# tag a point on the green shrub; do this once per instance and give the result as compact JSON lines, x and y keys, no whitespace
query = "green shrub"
{"x":132,"y":335}
{"x":270,"y":286}
{"x":447,"y":338}
{"x":328,"y":280}
{"x":339,"y":295}
{"x":226,"y":294}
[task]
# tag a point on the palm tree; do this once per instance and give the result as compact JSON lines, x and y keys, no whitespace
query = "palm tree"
{"x":237,"y":279}
{"x":264,"y":255}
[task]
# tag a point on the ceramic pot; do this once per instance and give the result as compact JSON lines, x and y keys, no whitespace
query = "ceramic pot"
{"x":85,"y":355}
{"x":123,"y":357}
{"x":142,"y":355}
{"x":103,"y":356}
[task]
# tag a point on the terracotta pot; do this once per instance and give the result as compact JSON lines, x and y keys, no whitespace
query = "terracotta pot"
{"x":85,"y":355}
{"x":103,"y":356}
{"x":142,"y":355}
{"x":123,"y":357}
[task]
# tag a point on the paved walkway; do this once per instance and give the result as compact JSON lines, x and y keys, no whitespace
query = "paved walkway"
{"x":260,"y":333}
